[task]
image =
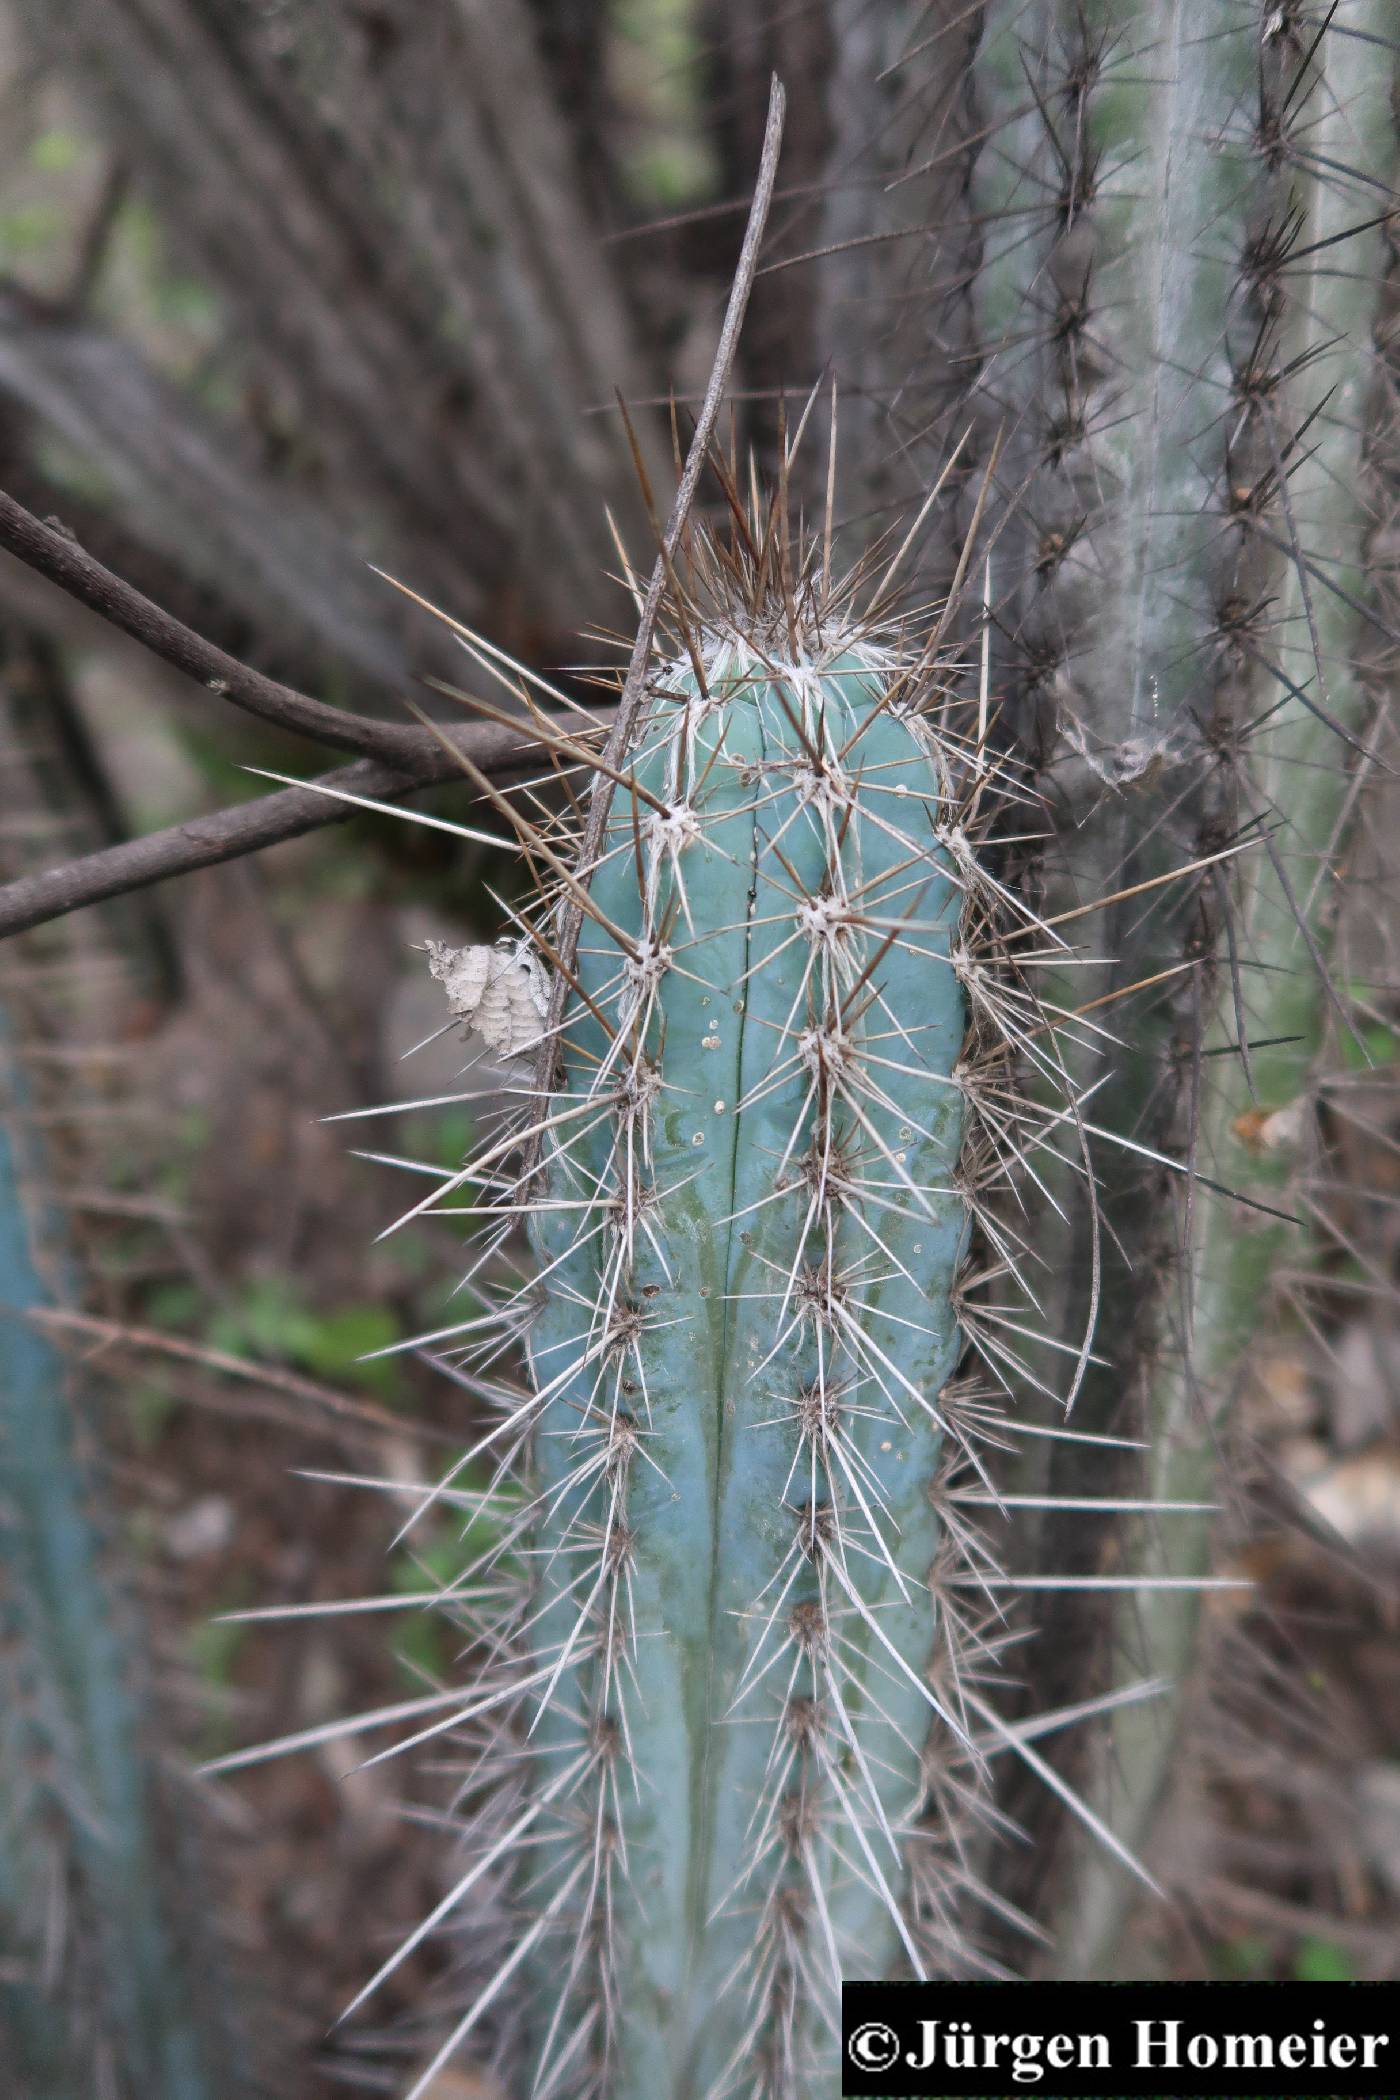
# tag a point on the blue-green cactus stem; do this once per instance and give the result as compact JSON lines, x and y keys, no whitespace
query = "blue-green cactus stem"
{"x":116,"y":2010}
{"x":750,"y":1227}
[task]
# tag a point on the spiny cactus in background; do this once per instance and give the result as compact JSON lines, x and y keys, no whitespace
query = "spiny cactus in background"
{"x":1187,"y":233}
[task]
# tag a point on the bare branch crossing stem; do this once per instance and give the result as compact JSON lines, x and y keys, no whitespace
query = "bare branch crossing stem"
{"x":53,"y":554}
{"x":247,"y":827}
{"x":634,"y":685}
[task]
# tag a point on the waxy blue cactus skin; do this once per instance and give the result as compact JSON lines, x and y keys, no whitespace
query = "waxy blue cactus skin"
{"x":750,"y":1229}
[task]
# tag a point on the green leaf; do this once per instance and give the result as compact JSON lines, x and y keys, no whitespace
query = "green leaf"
{"x":1320,"y":1961}
{"x":335,"y":1341}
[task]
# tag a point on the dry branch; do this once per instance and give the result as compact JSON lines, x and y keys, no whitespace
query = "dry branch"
{"x":247,"y":827}
{"x":399,"y":760}
{"x":50,"y":551}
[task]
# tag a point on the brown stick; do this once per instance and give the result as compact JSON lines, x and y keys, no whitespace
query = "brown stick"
{"x":53,"y":554}
{"x":396,"y":759}
{"x":248,"y":826}
{"x":634,"y":685}
{"x":107,"y":1334}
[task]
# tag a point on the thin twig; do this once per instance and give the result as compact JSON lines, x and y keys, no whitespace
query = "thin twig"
{"x":108,"y":1334}
{"x":247,"y":827}
{"x":53,"y":554}
{"x":397,"y":760}
{"x":96,"y":242}
{"x":634,"y":685}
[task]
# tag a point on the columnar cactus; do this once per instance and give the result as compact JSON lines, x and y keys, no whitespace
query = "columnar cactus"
{"x":750,"y":1225}
{"x":732,"y":1699}
{"x":95,"y":1985}
{"x":1180,"y":296}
